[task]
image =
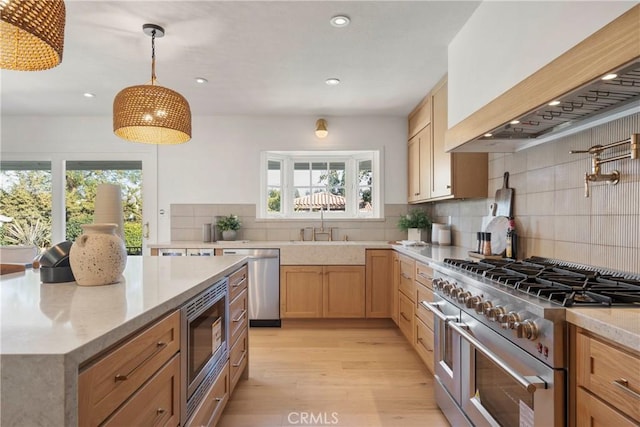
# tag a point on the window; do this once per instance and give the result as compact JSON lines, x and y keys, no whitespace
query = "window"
{"x":25,"y":208}
{"x":342,"y":184}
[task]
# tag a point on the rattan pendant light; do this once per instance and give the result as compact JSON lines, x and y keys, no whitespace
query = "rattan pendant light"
{"x":151,"y":113}
{"x":31,"y":34}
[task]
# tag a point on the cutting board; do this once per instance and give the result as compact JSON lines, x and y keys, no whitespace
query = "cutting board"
{"x":504,"y":198}
{"x":487,"y":218}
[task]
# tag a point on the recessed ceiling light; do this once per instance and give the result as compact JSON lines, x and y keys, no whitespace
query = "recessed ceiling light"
{"x":340,"y":21}
{"x":610,"y":76}
{"x":488,"y":135}
{"x":201,"y":80}
{"x":514,"y":122}
{"x":89,"y":95}
{"x":554,"y":103}
{"x":332,"y":81}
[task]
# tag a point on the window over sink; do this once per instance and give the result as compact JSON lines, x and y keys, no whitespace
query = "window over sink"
{"x":311,"y":184}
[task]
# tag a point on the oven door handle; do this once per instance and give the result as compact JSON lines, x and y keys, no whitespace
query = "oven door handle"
{"x":432,"y":307}
{"x":530,"y":383}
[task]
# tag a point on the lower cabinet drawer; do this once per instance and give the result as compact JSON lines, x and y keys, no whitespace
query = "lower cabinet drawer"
{"x":424,"y":344}
{"x":238,"y":358}
{"x":115,"y":377}
{"x":210,"y":410}
{"x":609,"y":373}
{"x":157,"y":403}
{"x":238,"y":282}
{"x":591,"y":411}
{"x":238,"y":311}
{"x":424,"y":294}
{"x":406,"y":316}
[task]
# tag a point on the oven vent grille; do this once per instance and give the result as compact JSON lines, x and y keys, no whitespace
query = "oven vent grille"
{"x":602,"y":271}
{"x":206,"y":299}
{"x":203,"y":388}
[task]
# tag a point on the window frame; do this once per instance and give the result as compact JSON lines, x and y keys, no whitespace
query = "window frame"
{"x":351,"y":158}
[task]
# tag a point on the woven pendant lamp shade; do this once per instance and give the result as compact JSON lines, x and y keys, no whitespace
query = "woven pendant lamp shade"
{"x":151,"y":114}
{"x":31,"y":34}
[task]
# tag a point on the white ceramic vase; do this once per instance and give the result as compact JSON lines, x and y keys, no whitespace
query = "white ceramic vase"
{"x":229,"y":235}
{"x":414,"y":234}
{"x":98,"y":256}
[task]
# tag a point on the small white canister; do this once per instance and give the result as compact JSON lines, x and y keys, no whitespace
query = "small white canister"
{"x":444,"y":237}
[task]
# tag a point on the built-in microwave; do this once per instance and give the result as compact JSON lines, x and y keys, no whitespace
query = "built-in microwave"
{"x":204,"y":343}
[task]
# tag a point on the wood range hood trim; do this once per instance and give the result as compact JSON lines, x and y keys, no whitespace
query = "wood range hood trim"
{"x":615,"y":45}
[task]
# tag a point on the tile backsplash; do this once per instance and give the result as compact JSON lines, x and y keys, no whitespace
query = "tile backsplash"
{"x":187,"y":221}
{"x":553,"y":218}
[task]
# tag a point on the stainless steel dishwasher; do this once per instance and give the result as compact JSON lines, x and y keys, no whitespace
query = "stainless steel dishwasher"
{"x":264,"y":285}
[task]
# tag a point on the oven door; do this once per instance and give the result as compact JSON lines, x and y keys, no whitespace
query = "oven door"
{"x":446,"y":345}
{"x":503,"y":385}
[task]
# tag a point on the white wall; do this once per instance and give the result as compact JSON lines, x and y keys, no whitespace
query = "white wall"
{"x":504,"y":42}
{"x":221,"y":163}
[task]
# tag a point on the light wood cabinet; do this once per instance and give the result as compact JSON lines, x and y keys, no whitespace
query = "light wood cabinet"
{"x":423,"y":343}
{"x":157,"y":403}
{"x":378,"y":282}
{"x":435,"y":174}
{"x":424,"y":326}
{"x":406,"y":317}
{"x":114,"y":378}
{"x":419,"y":167}
{"x":407,"y":272}
{"x":210,"y":409}
{"x":336,"y":291}
{"x":395,"y":287}
{"x":420,"y":116}
{"x":301,"y":291}
{"x":238,"y":358}
{"x":606,"y":383}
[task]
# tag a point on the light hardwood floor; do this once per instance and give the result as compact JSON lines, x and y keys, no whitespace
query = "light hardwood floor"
{"x":346,"y":377}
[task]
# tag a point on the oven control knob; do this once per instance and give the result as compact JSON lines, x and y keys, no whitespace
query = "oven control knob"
{"x":447,"y":288}
{"x":455,"y":292}
{"x":526,"y":329}
{"x":483,"y":307}
{"x":437,"y":284}
{"x":464,"y":296}
{"x":473,"y":302}
{"x":509,"y":320}
{"x":494,"y":313}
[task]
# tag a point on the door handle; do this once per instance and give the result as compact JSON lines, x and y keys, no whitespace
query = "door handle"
{"x":145,"y":232}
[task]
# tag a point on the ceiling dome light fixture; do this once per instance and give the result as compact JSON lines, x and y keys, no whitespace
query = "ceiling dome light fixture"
{"x":201,"y":80}
{"x":31,"y":34}
{"x":554,"y":103}
{"x":89,"y":95}
{"x":321,"y":128}
{"x":340,"y":21}
{"x":151,"y":113}
{"x":610,"y":76}
{"x":332,"y":81}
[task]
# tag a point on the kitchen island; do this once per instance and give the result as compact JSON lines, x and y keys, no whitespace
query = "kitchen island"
{"x":49,"y":330}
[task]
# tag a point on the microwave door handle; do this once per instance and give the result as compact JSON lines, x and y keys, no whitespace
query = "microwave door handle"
{"x":530,"y":383}
{"x":432,"y":307}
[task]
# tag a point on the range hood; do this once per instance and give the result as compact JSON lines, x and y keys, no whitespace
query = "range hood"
{"x":604,"y":99}
{"x":574,"y":92}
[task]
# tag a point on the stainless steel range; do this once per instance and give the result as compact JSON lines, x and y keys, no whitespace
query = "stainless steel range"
{"x":500,"y":336}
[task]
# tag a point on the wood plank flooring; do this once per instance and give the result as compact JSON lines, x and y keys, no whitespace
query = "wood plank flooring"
{"x":346,"y":377}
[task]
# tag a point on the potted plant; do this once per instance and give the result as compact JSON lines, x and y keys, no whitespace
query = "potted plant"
{"x":229,"y":225}
{"x":414,"y":222}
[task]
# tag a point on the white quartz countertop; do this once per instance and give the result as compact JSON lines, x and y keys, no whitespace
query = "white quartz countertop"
{"x":67,"y":319}
{"x":259,"y":244}
{"x":620,"y":325}
{"x":431,"y":253}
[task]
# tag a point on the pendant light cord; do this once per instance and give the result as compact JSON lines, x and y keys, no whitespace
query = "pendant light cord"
{"x":153,"y":57}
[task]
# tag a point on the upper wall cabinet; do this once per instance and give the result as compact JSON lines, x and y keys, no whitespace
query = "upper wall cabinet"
{"x":435,"y":174}
{"x":524,"y":116}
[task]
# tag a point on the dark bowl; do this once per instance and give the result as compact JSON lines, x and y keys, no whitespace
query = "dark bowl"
{"x":56,"y":256}
{"x":56,"y":274}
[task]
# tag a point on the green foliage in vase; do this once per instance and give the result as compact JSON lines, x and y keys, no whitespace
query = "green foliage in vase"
{"x":417,"y":218}
{"x":230,"y":222}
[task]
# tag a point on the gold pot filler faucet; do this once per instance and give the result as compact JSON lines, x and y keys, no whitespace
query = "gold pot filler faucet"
{"x":595,"y":151}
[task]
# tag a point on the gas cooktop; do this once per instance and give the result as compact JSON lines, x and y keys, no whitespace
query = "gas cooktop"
{"x":568,"y":285}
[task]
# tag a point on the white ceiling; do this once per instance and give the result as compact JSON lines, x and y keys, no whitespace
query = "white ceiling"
{"x":260,"y":57}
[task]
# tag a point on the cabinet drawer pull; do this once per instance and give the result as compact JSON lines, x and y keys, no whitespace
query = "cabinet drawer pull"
{"x":240,"y":282}
{"x":405,"y":317}
{"x":235,"y":365}
{"x":405,"y":276}
{"x":219,"y":399}
{"x":240,"y":317}
{"x":424,"y":276}
{"x":624,"y":385}
{"x":159,"y":347}
{"x":160,"y":411}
